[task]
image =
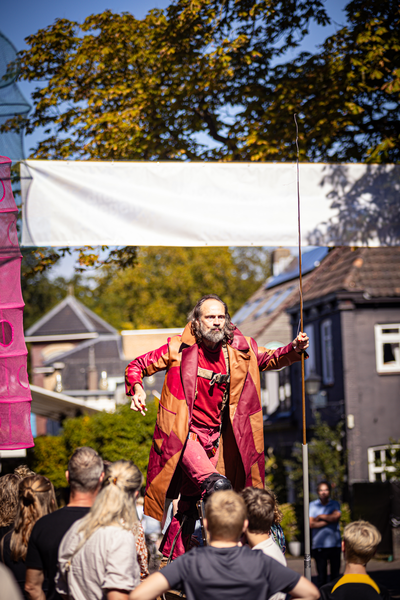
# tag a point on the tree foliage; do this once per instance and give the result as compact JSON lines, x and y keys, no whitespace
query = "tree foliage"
{"x":289,"y":522}
{"x":347,"y":94}
{"x":326,"y":458}
{"x":115,"y":87}
{"x":167,"y":282}
{"x":275,"y":475}
{"x":39,"y":293}
{"x":392,"y":463}
{"x":119,"y":88}
{"x":121,"y":435}
{"x":49,"y":458}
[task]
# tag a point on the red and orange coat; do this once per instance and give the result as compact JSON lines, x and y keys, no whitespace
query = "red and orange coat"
{"x":241,"y":450}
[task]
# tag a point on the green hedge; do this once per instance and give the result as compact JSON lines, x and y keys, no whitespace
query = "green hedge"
{"x":122,"y":435}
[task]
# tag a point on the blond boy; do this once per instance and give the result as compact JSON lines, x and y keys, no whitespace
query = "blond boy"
{"x":223,"y":570}
{"x":359,"y":544}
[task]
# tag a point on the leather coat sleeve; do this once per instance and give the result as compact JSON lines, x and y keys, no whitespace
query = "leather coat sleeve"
{"x":144,"y":366}
{"x":269,"y":360}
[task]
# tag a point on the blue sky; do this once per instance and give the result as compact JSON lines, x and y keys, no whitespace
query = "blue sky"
{"x":21,"y":18}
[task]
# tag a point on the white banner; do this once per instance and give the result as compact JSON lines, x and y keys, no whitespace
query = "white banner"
{"x":67,"y":203}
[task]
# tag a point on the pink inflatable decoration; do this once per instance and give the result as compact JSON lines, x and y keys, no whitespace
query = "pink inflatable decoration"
{"x":15,"y":395}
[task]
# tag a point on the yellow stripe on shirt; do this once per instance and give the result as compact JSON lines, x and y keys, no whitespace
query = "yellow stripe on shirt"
{"x":356,"y":578}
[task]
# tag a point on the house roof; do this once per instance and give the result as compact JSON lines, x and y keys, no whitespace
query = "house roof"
{"x":70,"y":317}
{"x":374,"y":272}
{"x":103,"y":353}
{"x":270,"y":301}
{"x":309,"y":260}
{"x":106,"y":347}
{"x":56,"y":406}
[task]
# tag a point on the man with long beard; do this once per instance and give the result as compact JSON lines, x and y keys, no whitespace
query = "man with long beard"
{"x":209,"y":430}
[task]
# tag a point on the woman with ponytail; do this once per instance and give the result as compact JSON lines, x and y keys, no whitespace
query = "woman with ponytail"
{"x":97,"y":556}
{"x":36,"y":498}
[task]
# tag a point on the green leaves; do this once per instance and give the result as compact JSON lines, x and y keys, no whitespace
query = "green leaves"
{"x":122,"y":435}
{"x":348,"y":92}
{"x":119,"y":88}
{"x":116,"y":87}
{"x":326,"y":457}
{"x":50,"y":459}
{"x":165,"y":284}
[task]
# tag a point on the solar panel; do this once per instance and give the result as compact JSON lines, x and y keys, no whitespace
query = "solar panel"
{"x":245,"y":311}
{"x":273,"y":302}
{"x":309,"y":260}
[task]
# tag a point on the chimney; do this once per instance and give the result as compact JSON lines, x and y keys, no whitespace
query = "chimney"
{"x":92,"y":375}
{"x":280,"y":259}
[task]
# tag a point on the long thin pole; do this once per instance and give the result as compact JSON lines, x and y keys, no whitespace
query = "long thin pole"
{"x":307,"y":552}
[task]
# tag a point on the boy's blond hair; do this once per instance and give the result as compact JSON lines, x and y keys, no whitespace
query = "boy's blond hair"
{"x":361,"y":540}
{"x":225,"y":514}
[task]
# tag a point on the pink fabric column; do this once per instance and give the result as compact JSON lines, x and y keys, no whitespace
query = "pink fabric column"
{"x":15,"y":395}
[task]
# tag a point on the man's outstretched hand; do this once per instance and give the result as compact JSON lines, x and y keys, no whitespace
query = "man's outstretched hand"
{"x":301,"y":342}
{"x":139,"y":399}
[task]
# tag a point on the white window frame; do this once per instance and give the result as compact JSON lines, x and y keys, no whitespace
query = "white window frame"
{"x":272,"y":380}
{"x":383,"y":468}
{"x":380,"y":339}
{"x":328,"y":377}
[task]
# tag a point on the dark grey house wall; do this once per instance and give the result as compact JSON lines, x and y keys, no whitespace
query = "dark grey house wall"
{"x":373,"y":399}
{"x":334,"y":410}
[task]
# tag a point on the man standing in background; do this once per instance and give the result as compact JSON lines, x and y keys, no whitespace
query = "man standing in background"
{"x":326,"y":542}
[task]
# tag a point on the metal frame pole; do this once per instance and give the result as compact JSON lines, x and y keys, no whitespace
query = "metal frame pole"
{"x":307,"y":551}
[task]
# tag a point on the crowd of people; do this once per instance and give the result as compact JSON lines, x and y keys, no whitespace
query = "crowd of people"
{"x":94,"y":547}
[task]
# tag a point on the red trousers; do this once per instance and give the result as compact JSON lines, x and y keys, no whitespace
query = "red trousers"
{"x":196,"y":466}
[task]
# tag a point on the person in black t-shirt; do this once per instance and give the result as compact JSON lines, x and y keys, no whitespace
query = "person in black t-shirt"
{"x":224,"y":570}
{"x":360,"y":541}
{"x":84,"y":475}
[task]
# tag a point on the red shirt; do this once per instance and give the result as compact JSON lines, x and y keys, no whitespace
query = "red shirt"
{"x":206,"y":417}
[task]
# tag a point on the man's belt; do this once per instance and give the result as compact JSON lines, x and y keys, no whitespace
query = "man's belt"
{"x":215,"y":378}
{"x":195,"y":438}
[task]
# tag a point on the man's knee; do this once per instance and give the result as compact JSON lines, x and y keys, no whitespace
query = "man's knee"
{"x":196,"y":463}
{"x":215,"y":483}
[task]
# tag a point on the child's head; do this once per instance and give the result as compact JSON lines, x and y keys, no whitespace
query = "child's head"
{"x":361,"y":540}
{"x":225,"y":514}
{"x":261,"y":509}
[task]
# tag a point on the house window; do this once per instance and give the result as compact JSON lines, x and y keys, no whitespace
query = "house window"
{"x":380,"y":461}
{"x":387,"y":348}
{"x":285,"y":391}
{"x":270,"y":391}
{"x":276,"y":391}
{"x":327,"y":352}
{"x":309,"y":364}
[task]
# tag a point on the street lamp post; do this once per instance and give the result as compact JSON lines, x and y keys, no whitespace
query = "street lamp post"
{"x":313,"y":384}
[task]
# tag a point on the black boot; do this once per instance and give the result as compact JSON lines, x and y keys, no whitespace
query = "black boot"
{"x":214,"y":483}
